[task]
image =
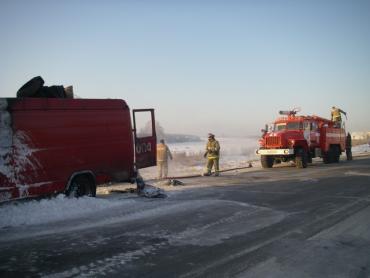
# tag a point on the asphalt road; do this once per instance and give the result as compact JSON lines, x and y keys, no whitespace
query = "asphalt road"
{"x":281,"y":222}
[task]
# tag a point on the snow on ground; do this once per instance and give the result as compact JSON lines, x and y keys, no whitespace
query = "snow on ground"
{"x":188,"y":156}
{"x":361,"y":149}
{"x":235,"y":153}
{"x":34,"y":212}
{"x":230,"y":146}
{"x":344,"y":245}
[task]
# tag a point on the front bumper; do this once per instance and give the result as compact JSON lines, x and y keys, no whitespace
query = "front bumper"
{"x":275,"y":151}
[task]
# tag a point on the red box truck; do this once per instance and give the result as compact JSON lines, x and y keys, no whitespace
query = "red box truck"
{"x":55,"y":145}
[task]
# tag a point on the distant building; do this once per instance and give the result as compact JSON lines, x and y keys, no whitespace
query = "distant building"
{"x":360,"y":135}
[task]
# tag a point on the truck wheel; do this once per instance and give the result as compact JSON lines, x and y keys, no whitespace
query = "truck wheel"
{"x":336,"y":154}
{"x":82,"y":185}
{"x":309,"y":158}
{"x":326,"y":157}
{"x":329,"y":156}
{"x":301,"y":159}
{"x":31,"y":87}
{"x":267,"y":161}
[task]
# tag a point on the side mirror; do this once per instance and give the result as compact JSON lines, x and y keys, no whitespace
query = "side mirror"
{"x":264,"y":130}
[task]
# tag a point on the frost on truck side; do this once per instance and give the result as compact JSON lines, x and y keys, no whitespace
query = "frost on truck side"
{"x":15,"y":156}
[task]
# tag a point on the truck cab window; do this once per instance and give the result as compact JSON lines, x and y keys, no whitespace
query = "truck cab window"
{"x":314,"y":126}
{"x":294,"y":126}
{"x":280,"y":126}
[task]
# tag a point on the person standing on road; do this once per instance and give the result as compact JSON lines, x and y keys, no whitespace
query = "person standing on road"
{"x":336,"y":115}
{"x":349,"y":147}
{"x":213,"y":155}
{"x":163,"y":153}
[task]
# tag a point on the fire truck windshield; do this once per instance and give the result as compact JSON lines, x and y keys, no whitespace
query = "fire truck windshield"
{"x":288,"y":126}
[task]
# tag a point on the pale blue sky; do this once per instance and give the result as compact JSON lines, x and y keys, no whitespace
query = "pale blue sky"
{"x":206,"y":66}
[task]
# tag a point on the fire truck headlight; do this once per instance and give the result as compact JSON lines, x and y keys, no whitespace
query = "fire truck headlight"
{"x":260,"y":142}
{"x":286,"y":151}
{"x":291,"y":143}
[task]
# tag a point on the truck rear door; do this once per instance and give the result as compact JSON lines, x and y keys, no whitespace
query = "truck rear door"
{"x":145,"y":138}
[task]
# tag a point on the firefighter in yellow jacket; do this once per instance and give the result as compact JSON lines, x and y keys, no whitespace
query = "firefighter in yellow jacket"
{"x":213,"y":155}
{"x":163,"y":153}
{"x":336,"y":115}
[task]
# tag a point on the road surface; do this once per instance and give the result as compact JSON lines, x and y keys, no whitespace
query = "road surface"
{"x":280,"y":222}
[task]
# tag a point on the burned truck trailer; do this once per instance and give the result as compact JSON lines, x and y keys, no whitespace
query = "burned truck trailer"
{"x":54,"y":145}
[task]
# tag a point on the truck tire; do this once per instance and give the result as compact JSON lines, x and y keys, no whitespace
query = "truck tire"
{"x":332,"y":155}
{"x":336,"y":154}
{"x":82,"y":185}
{"x":51,"y":92}
{"x":309,"y":158}
{"x":326,"y":157}
{"x":31,"y":87}
{"x":267,"y":161}
{"x":301,"y":159}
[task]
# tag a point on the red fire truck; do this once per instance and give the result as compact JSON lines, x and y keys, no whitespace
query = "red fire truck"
{"x":55,"y":145}
{"x":301,"y":138}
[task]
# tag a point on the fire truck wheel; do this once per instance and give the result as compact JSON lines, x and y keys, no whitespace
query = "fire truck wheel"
{"x":309,"y":158}
{"x":82,"y":185}
{"x":301,"y":159}
{"x":332,"y":155}
{"x":336,"y":154}
{"x":326,"y":157}
{"x":267,"y":161}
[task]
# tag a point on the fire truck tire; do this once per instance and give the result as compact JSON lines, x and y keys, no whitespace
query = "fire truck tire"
{"x":267,"y":161}
{"x":301,"y":159}
{"x":82,"y":185}
{"x":309,"y":158}
{"x":332,"y":155}
{"x":336,"y":154}
{"x":326,"y":157}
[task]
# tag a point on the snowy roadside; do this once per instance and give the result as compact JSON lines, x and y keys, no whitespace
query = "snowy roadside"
{"x":361,"y":150}
{"x":35,"y":212}
{"x":179,"y":168}
{"x":61,"y":208}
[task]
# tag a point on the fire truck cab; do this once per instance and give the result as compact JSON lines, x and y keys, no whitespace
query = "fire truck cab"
{"x":299,"y":139}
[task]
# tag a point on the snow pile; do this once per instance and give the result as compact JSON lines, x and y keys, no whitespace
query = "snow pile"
{"x":361,"y":149}
{"x":50,"y":210}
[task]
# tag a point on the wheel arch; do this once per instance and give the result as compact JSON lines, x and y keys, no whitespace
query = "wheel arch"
{"x":301,"y":144}
{"x":301,"y":157}
{"x":88,"y":173}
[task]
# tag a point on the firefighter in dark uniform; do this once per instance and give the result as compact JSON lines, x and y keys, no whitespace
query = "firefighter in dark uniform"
{"x":349,"y":146}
